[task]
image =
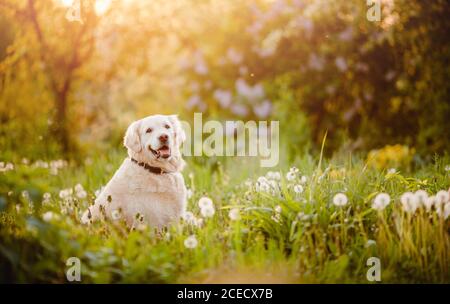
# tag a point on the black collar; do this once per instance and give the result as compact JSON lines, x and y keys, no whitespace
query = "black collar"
{"x":155,"y":170}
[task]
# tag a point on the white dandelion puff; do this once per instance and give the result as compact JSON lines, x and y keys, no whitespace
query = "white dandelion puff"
{"x":421,"y":196}
{"x":277,"y":209}
{"x":208,"y":211}
{"x":340,"y":199}
{"x":370,"y":243}
{"x":189,"y":217}
{"x":191,"y":242}
{"x":48,"y":216}
{"x":78,"y":188}
{"x":204,"y":202}
{"x":447,"y":210}
{"x":442,"y":197}
{"x":298,"y":189}
{"x":81,"y":194}
{"x":273,"y":175}
{"x":290,"y":176}
{"x":392,"y":171}
{"x":429,"y":202}
{"x":381,"y":201}
{"x":234,"y":214}
{"x":303,"y":179}
{"x":409,"y":202}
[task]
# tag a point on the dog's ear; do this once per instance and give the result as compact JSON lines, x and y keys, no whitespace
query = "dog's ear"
{"x":132,"y":139}
{"x":180,"y":135}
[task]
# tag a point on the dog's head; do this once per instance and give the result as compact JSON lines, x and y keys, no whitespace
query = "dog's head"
{"x":156,"y":138}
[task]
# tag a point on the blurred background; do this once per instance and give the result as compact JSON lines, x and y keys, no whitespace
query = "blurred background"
{"x":69,"y":85}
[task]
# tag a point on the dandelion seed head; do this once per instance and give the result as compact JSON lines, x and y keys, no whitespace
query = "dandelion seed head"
{"x":442,"y":197}
{"x":48,"y":216}
{"x":298,"y":189}
{"x":340,"y":199}
{"x":290,"y":176}
{"x":234,"y":214}
{"x":429,"y":202}
{"x":370,"y":243}
{"x":191,"y":242}
{"x":381,"y":201}
{"x":204,"y":202}
{"x":409,"y":202}
{"x":208,"y":211}
{"x":421,"y":196}
{"x":189,"y":217}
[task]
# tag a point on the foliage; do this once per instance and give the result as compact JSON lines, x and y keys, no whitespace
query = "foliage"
{"x":374,"y":83}
{"x":279,"y":233}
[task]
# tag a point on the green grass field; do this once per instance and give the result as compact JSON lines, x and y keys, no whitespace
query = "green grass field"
{"x":281,"y":228}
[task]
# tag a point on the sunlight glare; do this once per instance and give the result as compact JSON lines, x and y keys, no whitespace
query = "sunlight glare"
{"x":67,"y":3}
{"x":101,"y":6}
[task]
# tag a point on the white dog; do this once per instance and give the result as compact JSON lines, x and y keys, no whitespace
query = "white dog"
{"x":148,"y":187}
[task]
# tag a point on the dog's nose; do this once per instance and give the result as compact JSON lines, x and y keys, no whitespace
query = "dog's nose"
{"x":163,"y":138}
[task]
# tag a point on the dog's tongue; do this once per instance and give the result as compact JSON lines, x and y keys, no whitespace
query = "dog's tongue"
{"x":164,"y":152}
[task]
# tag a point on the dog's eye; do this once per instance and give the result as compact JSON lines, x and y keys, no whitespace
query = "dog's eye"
{"x":149,"y":130}
{"x":167,"y":126}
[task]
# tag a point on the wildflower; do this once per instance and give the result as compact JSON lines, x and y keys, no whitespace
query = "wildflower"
{"x":65,"y":193}
{"x":234,"y":214}
{"x":298,"y":189}
{"x":273,"y":175}
{"x":78,"y":188}
{"x":198,"y":222}
{"x":48,"y":216}
{"x":239,"y":109}
{"x":303,"y":179}
{"x":82,"y":194}
{"x":234,"y":56}
{"x":207,"y":211}
{"x":277,"y":209}
{"x":191,"y":242}
{"x":447,"y":210}
{"x":429,"y":202}
{"x":290,"y":176}
{"x":370,"y":243}
{"x":263,"y":109}
{"x":442,"y":197}
{"x":447,"y":168}
{"x":341,"y":64}
{"x":115,"y":214}
{"x":224,"y":97}
{"x":392,"y":171}
{"x":46,"y":197}
{"x":409,"y":202}
{"x":340,"y":199}
{"x":189,"y":217}
{"x":204,"y":202}
{"x":421,"y":196}
{"x":381,"y":201}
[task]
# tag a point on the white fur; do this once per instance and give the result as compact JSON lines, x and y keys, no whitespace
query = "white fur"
{"x":159,"y":198}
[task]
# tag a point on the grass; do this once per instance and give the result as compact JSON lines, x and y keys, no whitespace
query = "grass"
{"x":281,"y":236}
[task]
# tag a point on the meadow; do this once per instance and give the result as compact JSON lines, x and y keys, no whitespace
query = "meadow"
{"x":312,"y":221}
{"x":357,"y":93}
